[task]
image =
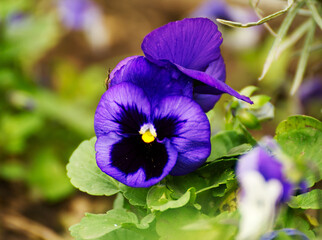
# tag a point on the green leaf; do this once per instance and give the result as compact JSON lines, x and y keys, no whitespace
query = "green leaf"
{"x":310,"y":200}
{"x":223,"y":142}
{"x":187,"y":223}
{"x":85,"y":175}
{"x":118,"y":201}
{"x":170,"y":223}
{"x":259,"y":101}
{"x":159,"y":198}
{"x":136,"y":196}
{"x":219,"y":177}
{"x":301,"y":138}
{"x":298,"y":122}
{"x":94,"y":226}
{"x":248,"y":91}
{"x":180,"y":184}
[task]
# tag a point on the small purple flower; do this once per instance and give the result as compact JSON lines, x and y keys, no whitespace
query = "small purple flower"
{"x":263,"y":187}
{"x":269,"y":167}
{"x":73,"y":12}
{"x":293,"y":233}
{"x":192,"y":47}
{"x":147,"y":126}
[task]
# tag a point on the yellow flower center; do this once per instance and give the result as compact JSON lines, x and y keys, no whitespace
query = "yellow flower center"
{"x":147,"y":137}
{"x":148,"y":133}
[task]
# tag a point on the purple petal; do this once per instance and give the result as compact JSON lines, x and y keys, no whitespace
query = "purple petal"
{"x":157,"y":82}
{"x":121,"y":65}
{"x":192,"y":43}
{"x":212,"y":82}
{"x":216,"y":69}
{"x":190,"y":134}
{"x":106,"y":161}
{"x":122,"y":108}
{"x":206,"y":101}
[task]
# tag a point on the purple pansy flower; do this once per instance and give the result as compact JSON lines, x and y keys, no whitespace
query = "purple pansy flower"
{"x":147,"y":126}
{"x":192,"y":47}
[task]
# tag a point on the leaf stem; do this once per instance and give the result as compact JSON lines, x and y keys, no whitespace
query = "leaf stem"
{"x":315,"y":13}
{"x":259,"y":22}
{"x":280,"y":35}
{"x":294,"y":37}
{"x":303,"y":59}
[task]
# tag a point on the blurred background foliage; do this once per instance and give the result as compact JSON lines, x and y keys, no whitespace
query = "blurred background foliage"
{"x":54,"y":58}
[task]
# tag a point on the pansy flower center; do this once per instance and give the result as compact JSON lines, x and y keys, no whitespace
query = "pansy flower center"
{"x":148,"y":133}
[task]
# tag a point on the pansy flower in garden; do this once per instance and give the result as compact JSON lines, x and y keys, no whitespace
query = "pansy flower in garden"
{"x":148,"y":126}
{"x":264,"y":187}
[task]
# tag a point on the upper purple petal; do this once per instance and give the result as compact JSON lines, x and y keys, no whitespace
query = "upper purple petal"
{"x":122,"y":106}
{"x":120,"y":65}
{"x":156,"y":82}
{"x":190,"y":133}
{"x":191,"y":43}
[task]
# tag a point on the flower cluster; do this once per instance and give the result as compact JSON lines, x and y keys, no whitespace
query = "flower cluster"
{"x":151,"y":121}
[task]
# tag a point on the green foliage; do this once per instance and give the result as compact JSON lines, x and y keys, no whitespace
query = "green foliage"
{"x":301,"y":138}
{"x":223,"y":145}
{"x":186,"y":193}
{"x":85,"y":174}
{"x":201,"y":204}
{"x":310,"y":200}
{"x":115,"y":224}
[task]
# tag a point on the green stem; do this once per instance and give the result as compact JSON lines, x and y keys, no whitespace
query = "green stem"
{"x":259,"y":22}
{"x":281,"y":34}
{"x":315,"y":13}
{"x":303,"y":59}
{"x":294,"y":37}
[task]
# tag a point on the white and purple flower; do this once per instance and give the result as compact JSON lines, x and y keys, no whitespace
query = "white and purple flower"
{"x":264,"y":187}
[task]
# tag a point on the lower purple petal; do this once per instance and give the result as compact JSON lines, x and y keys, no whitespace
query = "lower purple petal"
{"x":106,"y":162}
{"x":190,"y":131}
{"x":212,"y":82}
